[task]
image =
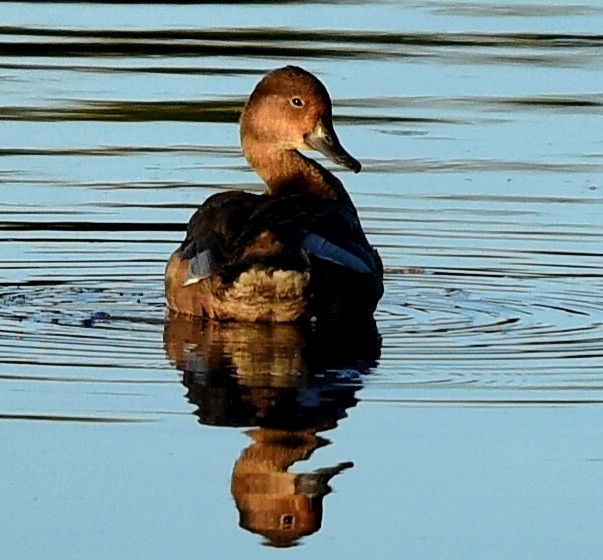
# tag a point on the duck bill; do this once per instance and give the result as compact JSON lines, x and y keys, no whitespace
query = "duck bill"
{"x":324,"y":140}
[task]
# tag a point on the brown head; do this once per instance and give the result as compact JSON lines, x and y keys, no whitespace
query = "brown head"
{"x":289,"y":110}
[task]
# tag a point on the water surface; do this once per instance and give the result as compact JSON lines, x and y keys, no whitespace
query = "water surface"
{"x":467,"y":423}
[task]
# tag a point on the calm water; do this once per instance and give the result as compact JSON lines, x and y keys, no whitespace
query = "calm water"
{"x":467,"y":424}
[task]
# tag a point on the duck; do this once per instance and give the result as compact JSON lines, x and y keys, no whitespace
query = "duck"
{"x":295,"y":252}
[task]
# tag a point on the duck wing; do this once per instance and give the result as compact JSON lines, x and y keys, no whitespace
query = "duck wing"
{"x":213,"y":230}
{"x":234,"y":230}
{"x":326,"y":237}
{"x":307,"y":226}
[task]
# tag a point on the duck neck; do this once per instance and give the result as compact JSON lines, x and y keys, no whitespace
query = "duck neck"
{"x":290,"y":172}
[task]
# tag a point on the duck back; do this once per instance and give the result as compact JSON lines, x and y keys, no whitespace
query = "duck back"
{"x":308,"y":256}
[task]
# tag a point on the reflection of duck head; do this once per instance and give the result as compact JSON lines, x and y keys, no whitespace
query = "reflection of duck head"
{"x":292,"y":383}
{"x":273,"y":502}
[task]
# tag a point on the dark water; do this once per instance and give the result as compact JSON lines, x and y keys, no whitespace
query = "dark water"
{"x":467,"y":424}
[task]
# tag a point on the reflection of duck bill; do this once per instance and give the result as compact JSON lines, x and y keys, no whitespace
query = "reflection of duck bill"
{"x":276,"y":375}
{"x":272,"y":502}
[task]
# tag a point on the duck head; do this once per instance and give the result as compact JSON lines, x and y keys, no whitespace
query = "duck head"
{"x":290,"y":110}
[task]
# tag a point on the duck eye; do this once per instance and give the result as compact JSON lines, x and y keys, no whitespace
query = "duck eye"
{"x":297,"y":102}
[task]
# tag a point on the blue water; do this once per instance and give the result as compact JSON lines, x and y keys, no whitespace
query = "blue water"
{"x":467,"y":426}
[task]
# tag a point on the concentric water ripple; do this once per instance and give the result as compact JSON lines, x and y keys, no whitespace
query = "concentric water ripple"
{"x":82,"y":324}
{"x":536,"y":334}
{"x":435,"y":329}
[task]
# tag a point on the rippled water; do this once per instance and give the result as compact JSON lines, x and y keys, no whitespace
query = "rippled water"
{"x":467,"y":423}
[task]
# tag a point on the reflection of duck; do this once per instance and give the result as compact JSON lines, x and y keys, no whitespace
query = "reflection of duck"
{"x":270,"y":375}
{"x":277,"y":504}
{"x":297,"y":251}
{"x":292,"y":383}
